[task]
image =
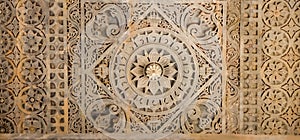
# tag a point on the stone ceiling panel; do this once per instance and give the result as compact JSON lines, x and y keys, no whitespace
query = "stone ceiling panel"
{"x":149,"y":69}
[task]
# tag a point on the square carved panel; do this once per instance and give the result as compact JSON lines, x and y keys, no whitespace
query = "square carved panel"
{"x":152,"y":68}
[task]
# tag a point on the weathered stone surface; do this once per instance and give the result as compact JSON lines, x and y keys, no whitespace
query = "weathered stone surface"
{"x":150,"y":69}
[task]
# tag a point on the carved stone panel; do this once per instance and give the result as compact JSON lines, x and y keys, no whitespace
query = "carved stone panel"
{"x":152,"y":73}
{"x":138,"y":69}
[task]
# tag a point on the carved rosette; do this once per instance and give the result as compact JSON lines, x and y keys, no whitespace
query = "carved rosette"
{"x":153,"y":72}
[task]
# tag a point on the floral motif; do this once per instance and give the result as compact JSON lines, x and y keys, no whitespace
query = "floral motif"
{"x":274,"y":101}
{"x":290,"y":86}
{"x":7,"y":70}
{"x":275,"y":126}
{"x":6,"y":11}
{"x":276,"y":13}
{"x":32,"y":41}
{"x":155,"y":72}
{"x":275,"y":72}
{"x":7,"y":100}
{"x":32,"y":124}
{"x":146,"y":69}
{"x":275,"y":43}
{"x":32,"y":100}
{"x":31,"y":70}
{"x":30,"y":12}
{"x":6,"y":41}
{"x":7,"y":126}
{"x":157,"y":67}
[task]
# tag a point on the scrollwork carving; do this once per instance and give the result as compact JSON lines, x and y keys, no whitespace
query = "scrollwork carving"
{"x":106,"y":116}
{"x":107,"y":24}
{"x":197,"y":20}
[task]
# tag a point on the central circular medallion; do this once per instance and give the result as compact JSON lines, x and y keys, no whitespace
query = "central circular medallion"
{"x":153,"y":71}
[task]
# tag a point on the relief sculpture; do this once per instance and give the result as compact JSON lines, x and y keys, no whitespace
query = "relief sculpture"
{"x":136,"y":69}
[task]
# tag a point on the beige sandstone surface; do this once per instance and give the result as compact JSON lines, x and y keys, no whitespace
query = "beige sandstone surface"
{"x":139,"y":69}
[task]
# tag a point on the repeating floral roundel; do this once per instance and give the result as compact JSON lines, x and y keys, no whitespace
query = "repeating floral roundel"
{"x":275,"y":42}
{"x":7,"y":100}
{"x":32,"y":124}
{"x":6,"y":11}
{"x":275,"y":126}
{"x":31,"y":70}
{"x":31,"y":41}
{"x":275,"y":101}
{"x":30,"y":12}
{"x":7,"y":70}
{"x":32,"y":100}
{"x":7,"y":126}
{"x":276,"y":13}
{"x":6,"y":41}
{"x":275,"y":72}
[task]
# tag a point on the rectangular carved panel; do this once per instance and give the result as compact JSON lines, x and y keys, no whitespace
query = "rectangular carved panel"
{"x":149,"y":69}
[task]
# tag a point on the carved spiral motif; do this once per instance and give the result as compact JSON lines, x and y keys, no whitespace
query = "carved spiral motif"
{"x":275,"y":43}
{"x":31,"y":70}
{"x":32,"y":100}
{"x":153,"y":71}
{"x":198,"y":21}
{"x":276,"y":13}
{"x":107,"y":24}
{"x":106,"y":116}
{"x":31,"y":12}
{"x":7,"y":100}
{"x":199,"y":116}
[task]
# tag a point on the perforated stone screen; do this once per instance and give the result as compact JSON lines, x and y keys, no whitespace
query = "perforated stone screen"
{"x":138,"y":69}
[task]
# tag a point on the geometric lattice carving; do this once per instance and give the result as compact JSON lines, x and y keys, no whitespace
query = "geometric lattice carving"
{"x":271,"y":108}
{"x":149,"y":69}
